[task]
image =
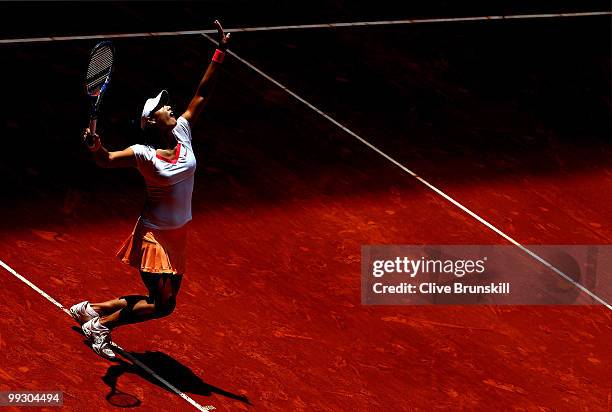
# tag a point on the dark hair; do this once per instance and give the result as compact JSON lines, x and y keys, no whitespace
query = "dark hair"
{"x":152,"y":136}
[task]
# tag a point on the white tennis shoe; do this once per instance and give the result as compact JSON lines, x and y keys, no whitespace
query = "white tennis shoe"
{"x":83,"y":312}
{"x":100,"y":338}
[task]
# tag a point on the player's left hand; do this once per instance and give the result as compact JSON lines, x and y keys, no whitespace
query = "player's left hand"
{"x":223,"y":38}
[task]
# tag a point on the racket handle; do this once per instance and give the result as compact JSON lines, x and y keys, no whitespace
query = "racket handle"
{"x":92,"y":126}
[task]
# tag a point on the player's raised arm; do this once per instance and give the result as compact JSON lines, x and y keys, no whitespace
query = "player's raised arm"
{"x":104,"y":158}
{"x":208,"y":81}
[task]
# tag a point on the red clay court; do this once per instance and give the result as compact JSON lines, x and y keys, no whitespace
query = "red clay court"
{"x":509,"y":118}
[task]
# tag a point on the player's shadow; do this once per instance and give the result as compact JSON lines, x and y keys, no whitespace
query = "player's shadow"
{"x":168,"y":368}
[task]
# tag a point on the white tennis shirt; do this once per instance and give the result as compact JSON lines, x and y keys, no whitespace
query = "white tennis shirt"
{"x":169,"y":184}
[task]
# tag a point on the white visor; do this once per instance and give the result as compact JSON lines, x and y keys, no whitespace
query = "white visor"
{"x":151,"y":106}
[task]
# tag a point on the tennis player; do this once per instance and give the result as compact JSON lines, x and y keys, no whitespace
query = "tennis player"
{"x":157,"y":244}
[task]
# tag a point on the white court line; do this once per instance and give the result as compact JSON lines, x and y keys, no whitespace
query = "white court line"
{"x":305,"y":26}
{"x":417,"y":177}
{"x":123,"y":352}
{"x":36,"y":288}
{"x":163,"y":381}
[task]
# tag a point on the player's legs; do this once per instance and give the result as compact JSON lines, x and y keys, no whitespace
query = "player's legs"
{"x":163,"y":289}
{"x":110,"y":306}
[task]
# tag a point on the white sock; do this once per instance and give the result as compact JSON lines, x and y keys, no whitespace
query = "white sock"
{"x":97,"y":325}
{"x":90,"y":311}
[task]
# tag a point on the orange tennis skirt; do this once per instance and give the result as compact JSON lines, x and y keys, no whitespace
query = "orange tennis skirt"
{"x":155,"y":251}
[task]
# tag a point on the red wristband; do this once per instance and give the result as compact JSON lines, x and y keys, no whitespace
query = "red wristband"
{"x":219,"y":56}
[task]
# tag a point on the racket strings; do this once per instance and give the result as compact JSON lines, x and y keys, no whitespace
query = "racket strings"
{"x":103,"y":54}
{"x":100,"y":64}
{"x":97,"y":80}
{"x":97,"y":66}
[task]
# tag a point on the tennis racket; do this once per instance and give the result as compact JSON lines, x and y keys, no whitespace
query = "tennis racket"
{"x":98,"y":76}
